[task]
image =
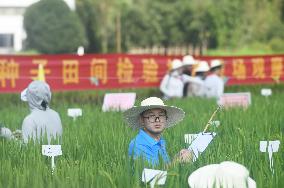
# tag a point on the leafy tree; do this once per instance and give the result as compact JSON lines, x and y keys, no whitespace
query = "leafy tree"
{"x":87,"y":13}
{"x":53,"y":28}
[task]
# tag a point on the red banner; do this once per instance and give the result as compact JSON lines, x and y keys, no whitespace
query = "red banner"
{"x":72,"y":72}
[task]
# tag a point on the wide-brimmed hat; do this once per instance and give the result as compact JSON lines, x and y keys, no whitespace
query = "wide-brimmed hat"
{"x":215,"y":63}
{"x":176,"y":64}
{"x":188,"y":60}
{"x":202,"y":67}
{"x":221,"y":175}
{"x":132,"y":115}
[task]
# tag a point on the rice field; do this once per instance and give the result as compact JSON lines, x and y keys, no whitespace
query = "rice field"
{"x":95,"y":146}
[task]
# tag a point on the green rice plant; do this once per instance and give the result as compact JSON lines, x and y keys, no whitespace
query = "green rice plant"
{"x":95,"y":146}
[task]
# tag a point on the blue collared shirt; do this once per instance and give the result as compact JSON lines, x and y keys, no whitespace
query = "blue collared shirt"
{"x":143,"y":145}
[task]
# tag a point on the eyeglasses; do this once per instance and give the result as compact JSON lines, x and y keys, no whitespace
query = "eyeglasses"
{"x":153,"y":118}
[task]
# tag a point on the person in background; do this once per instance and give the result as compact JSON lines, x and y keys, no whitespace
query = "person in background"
{"x":196,"y":86}
{"x":227,"y":174}
{"x":152,"y":117}
{"x":188,"y":63}
{"x":42,"y":121}
{"x":213,"y":82}
{"x":172,"y":83}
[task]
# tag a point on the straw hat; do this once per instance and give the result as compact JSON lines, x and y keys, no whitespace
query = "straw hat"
{"x":215,"y":63}
{"x":202,"y":67}
{"x":226,"y":175}
{"x":176,"y":63}
{"x":132,"y":115}
{"x":188,"y":60}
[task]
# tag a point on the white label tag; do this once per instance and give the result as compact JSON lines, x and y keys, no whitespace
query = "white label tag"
{"x":188,"y":138}
{"x":263,"y":146}
{"x":154,"y":176}
{"x":200,"y":143}
{"x":51,"y":150}
{"x":266,"y":92}
{"x":74,"y":112}
{"x":270,"y":147}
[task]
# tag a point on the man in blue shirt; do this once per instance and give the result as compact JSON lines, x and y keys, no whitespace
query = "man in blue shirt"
{"x":152,"y":118}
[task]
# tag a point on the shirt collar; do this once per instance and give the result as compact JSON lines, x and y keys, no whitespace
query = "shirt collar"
{"x":151,"y":140}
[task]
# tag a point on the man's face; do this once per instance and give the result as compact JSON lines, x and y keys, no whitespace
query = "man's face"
{"x":154,"y":120}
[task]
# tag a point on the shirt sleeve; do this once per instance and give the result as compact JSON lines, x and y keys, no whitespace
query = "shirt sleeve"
{"x":164,"y":85}
{"x":220,"y":88}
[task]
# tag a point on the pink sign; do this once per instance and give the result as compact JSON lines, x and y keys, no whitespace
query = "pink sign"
{"x":235,"y":100}
{"x":118,"y":101}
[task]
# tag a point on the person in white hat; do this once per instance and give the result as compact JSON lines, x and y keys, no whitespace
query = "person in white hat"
{"x":213,"y":82}
{"x":42,"y":121}
{"x":152,"y":117}
{"x":197,"y":87}
{"x":172,"y":83}
{"x":227,"y":174}
{"x":188,"y":63}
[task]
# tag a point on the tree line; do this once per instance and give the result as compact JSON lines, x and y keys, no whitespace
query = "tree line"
{"x":118,"y":25}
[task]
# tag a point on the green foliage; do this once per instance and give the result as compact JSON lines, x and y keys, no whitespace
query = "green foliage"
{"x":87,"y":14}
{"x":53,"y":28}
{"x":277,"y":45}
{"x":95,"y":145}
{"x":221,"y":24}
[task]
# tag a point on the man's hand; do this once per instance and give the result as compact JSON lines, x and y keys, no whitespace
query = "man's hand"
{"x":185,"y":156}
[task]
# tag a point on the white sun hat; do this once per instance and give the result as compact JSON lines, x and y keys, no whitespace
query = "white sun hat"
{"x":132,"y":115}
{"x":203,"y":177}
{"x":176,"y":63}
{"x":188,"y":60}
{"x":215,"y":63}
{"x":227,"y":174}
{"x":202,"y":67}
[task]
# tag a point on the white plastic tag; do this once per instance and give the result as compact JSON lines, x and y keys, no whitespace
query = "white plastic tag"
{"x":154,"y":176}
{"x":266,"y":92}
{"x":74,"y":112}
{"x":200,"y":143}
{"x":51,"y":150}
{"x":270,"y":147}
{"x":188,"y":138}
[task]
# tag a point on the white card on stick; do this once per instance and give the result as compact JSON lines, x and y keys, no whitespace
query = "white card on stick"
{"x":188,"y":138}
{"x":154,"y":176}
{"x":266,"y":92}
{"x":74,"y":112}
{"x":270,"y":147}
{"x":200,"y":143}
{"x":51,"y":150}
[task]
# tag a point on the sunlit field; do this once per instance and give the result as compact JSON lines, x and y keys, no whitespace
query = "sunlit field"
{"x":95,"y":146}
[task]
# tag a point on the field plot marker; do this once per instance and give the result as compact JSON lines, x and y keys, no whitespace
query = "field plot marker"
{"x":188,"y":138}
{"x":271,"y":147}
{"x":266,"y":92}
{"x":154,"y":177}
{"x":74,"y":113}
{"x":51,"y":151}
{"x":118,"y":101}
